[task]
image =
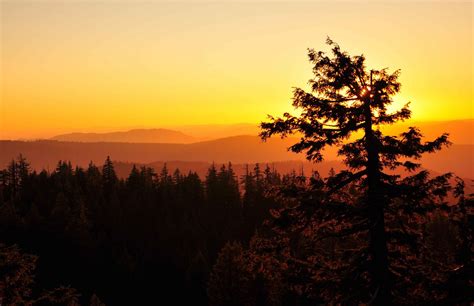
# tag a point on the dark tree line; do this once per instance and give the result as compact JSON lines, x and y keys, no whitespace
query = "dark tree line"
{"x":263,"y":239}
{"x":151,"y":235}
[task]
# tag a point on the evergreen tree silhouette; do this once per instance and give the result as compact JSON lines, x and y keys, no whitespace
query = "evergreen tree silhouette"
{"x":346,"y":98}
{"x":108,"y":173}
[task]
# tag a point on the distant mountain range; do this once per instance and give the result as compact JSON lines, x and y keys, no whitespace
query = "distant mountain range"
{"x":215,"y":131}
{"x":135,"y":136}
{"x":184,"y":147}
{"x":460,"y":132}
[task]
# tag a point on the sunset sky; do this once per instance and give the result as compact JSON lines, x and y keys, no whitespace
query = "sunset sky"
{"x":107,"y":65}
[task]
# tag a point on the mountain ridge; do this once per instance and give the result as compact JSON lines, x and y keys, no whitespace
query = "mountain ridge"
{"x":158,"y":135}
{"x":459,"y":132}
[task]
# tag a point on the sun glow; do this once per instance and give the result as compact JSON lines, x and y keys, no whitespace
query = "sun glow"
{"x":87,"y":66}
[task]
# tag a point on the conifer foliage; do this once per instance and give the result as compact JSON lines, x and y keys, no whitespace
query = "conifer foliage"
{"x":372,"y":220}
{"x":121,"y":240}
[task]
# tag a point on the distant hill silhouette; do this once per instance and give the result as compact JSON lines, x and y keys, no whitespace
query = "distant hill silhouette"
{"x":215,"y":131}
{"x":239,"y":150}
{"x":460,"y":131}
{"x":135,"y":136}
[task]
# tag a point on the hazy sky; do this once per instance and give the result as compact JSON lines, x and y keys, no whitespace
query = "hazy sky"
{"x":103,"y":65}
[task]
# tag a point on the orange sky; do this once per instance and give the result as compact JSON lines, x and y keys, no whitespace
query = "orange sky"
{"x":106,"y":65}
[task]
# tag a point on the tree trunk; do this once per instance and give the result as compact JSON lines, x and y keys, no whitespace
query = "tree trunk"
{"x":378,"y":249}
{"x":379,"y":269}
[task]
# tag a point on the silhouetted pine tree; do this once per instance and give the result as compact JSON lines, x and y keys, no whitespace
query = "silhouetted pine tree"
{"x":108,"y":174}
{"x":255,"y":203}
{"x":346,"y":98}
{"x":271,"y":177}
{"x":11,"y":178}
{"x":249,"y":201}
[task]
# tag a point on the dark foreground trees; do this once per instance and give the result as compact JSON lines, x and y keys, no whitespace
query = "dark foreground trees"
{"x":371,"y":219}
{"x":156,"y":236}
{"x":17,"y":282}
{"x":149,"y":236}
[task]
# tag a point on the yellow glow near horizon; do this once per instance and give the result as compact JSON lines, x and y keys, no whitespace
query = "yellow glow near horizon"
{"x":94,"y":66}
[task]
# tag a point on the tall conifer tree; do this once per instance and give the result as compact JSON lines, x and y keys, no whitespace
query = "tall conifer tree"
{"x":346,"y":98}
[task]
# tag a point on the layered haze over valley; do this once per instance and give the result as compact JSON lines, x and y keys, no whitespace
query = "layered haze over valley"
{"x":196,"y":147}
